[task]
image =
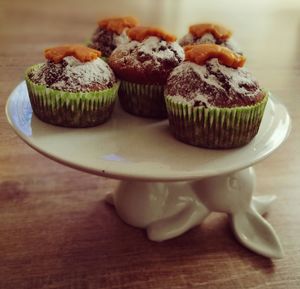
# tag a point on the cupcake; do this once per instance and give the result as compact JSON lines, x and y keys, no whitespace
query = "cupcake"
{"x":143,"y":66}
{"x":111,"y":32}
{"x":73,"y":88}
{"x":212,"y":101}
{"x":206,"y":33}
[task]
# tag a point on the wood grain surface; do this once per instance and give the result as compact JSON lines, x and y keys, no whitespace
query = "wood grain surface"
{"x":55,"y":229}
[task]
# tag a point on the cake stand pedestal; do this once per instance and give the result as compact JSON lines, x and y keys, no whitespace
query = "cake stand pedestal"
{"x":166,"y":187}
{"x":167,"y":210}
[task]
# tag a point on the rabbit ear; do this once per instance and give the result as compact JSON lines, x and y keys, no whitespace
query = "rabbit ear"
{"x":262,"y":203}
{"x":173,"y":226}
{"x":255,"y":233}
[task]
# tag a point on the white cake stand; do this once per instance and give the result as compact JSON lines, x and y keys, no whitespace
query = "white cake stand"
{"x":167,"y":187}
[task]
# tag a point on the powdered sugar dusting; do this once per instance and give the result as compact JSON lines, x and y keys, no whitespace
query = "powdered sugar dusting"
{"x":195,"y":95}
{"x":119,"y":39}
{"x":146,"y":62}
{"x":195,"y":98}
{"x":74,"y":75}
{"x":190,"y":39}
{"x":206,"y":38}
{"x":212,"y":84}
{"x":186,"y":39}
{"x":238,"y":81}
{"x":151,"y":52}
{"x":201,"y":71}
{"x":209,"y":38}
{"x":151,"y":46}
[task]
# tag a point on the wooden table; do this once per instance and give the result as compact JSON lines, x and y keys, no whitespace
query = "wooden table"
{"x":55,"y":229}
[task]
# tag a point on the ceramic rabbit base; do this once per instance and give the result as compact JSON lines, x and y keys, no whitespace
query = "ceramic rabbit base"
{"x":167,"y":210}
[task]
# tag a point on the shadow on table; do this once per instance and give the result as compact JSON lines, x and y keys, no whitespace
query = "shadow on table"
{"x":106,"y":252}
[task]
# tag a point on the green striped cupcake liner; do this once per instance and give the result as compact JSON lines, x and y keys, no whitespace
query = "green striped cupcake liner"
{"x":70,"y":109}
{"x":145,"y":100}
{"x":215,"y":128}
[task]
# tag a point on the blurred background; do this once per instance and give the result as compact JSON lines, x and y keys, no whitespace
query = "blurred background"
{"x":55,"y":231}
{"x":263,"y":28}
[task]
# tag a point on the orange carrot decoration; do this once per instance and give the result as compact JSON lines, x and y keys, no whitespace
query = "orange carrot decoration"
{"x":118,"y":24}
{"x":218,"y":31}
{"x":202,"y":52}
{"x":139,"y":33}
{"x":82,"y":53}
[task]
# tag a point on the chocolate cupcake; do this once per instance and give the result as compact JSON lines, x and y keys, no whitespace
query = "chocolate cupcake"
{"x":111,"y":32}
{"x":74,"y":88}
{"x":212,"y":101}
{"x":208,"y":33}
{"x":143,"y":66}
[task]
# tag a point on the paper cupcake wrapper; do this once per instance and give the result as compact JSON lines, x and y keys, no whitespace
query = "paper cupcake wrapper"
{"x":71,"y":109}
{"x":145,"y":100}
{"x":216,"y":128}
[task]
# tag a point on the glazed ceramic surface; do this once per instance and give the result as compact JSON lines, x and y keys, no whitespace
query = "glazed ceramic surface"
{"x":136,"y":148}
{"x":167,"y":210}
{"x":145,"y":155}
